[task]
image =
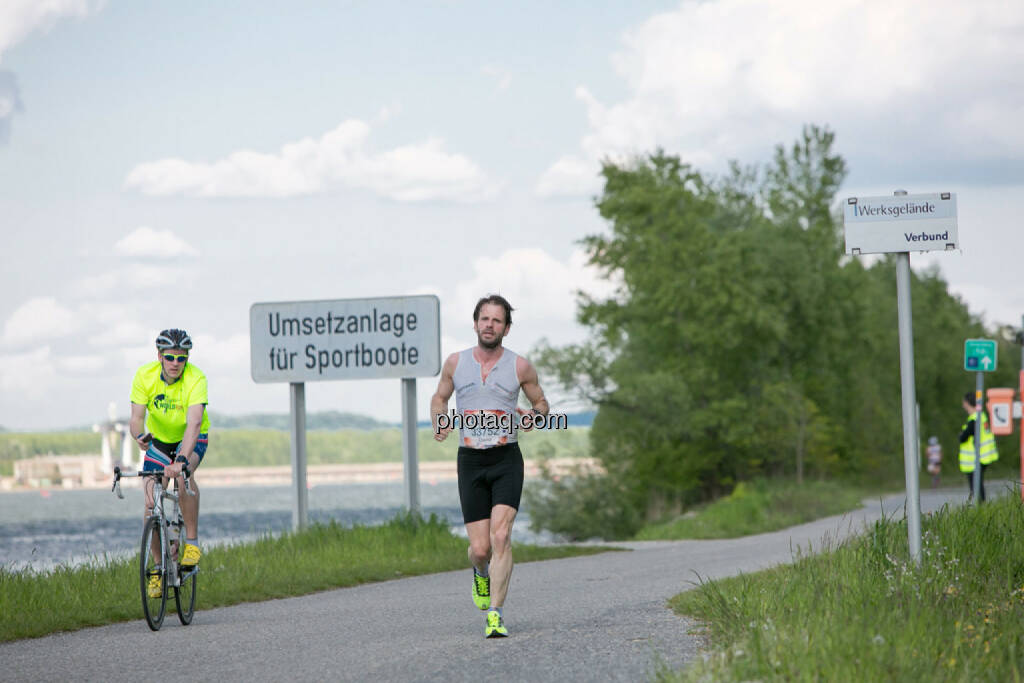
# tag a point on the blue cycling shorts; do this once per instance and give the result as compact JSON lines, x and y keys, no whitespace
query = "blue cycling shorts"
{"x":161,"y":454}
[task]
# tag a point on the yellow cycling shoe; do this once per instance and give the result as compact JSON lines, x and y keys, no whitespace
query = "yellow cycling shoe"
{"x":190,"y":557}
{"x":155,"y":587}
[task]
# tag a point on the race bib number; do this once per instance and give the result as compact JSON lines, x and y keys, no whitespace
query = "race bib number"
{"x":486,"y":428}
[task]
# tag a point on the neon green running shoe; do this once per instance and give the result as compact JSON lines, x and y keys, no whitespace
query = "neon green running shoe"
{"x":155,"y":586}
{"x":481,"y":591}
{"x":495,"y":625}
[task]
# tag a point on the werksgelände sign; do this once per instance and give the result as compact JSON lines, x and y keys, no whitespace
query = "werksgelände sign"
{"x":913,"y":222}
{"x":310,"y":341}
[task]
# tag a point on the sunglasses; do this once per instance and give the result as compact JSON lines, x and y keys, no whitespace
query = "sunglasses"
{"x":172,"y":358}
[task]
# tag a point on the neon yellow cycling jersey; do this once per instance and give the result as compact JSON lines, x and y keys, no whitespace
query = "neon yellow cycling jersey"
{"x":167,"y":404}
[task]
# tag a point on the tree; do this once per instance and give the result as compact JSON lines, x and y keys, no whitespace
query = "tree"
{"x":740,"y":342}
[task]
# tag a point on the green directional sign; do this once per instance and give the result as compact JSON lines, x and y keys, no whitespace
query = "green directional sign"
{"x":980,"y":355}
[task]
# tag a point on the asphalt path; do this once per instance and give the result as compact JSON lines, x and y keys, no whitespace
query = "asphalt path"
{"x":597,"y":618}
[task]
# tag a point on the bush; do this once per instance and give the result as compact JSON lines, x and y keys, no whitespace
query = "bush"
{"x":581,"y":506}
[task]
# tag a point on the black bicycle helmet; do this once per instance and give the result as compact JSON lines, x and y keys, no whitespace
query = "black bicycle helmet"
{"x":174,"y":339}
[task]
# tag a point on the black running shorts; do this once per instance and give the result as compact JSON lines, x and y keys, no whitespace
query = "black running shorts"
{"x":489,"y":477}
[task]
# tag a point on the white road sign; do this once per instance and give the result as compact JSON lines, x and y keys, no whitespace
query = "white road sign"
{"x":912,"y":222}
{"x":310,"y":341}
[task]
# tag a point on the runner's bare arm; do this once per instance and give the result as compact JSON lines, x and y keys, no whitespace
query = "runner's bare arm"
{"x":531,"y":385}
{"x":439,"y":401}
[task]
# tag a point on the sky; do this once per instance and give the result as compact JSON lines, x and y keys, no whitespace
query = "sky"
{"x":171,"y":164}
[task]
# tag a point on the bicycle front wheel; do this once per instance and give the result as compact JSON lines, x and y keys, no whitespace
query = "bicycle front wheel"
{"x":152,"y":579}
{"x":185,"y":591}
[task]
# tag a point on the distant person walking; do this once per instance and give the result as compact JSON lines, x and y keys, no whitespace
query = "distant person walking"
{"x":934,"y":453}
{"x":989,"y":454}
{"x":169,"y":422}
{"x":486,"y":380}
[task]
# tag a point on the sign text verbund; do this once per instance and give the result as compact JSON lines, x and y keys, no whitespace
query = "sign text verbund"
{"x":913,"y":222}
{"x":310,"y":341}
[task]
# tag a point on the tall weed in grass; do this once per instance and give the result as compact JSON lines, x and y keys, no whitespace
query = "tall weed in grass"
{"x":758,"y":507}
{"x":862,"y":611}
{"x":322,"y":557}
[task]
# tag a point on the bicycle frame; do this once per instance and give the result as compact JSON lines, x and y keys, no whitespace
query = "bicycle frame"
{"x":168,"y":559}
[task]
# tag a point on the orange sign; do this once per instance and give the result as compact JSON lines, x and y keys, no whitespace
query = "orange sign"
{"x":1000,"y":411}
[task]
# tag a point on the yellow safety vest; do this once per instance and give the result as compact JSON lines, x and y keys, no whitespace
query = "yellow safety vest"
{"x":988,"y":446}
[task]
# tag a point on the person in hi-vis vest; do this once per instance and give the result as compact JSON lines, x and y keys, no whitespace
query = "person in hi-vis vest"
{"x":989,"y":454}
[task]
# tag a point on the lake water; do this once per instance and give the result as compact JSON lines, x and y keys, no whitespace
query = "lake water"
{"x":41,"y":529}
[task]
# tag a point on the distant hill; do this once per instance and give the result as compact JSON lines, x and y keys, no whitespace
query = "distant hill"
{"x":333,"y":419}
{"x":326,"y":420}
{"x":330,"y":419}
{"x":584,"y":419}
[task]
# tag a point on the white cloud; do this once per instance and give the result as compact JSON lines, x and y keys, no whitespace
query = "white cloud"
{"x":133,"y":356}
{"x":95,"y":285}
{"x":81,"y":364}
{"x":570,"y":176}
{"x":722,"y":80}
{"x":541,"y":289}
{"x":30,"y":375}
{"x":221,"y":355}
{"x":119,"y":334}
{"x":149,"y":243}
{"x":38,"y":319}
{"x":129,"y":278}
{"x":502,"y":77}
{"x":18,"y":18}
{"x":340,"y":158}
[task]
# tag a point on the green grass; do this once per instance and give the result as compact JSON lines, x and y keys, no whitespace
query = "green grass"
{"x":861,"y":611}
{"x":759,"y":507}
{"x":320,"y":558}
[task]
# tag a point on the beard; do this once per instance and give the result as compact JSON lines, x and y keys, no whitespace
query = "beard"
{"x":493,"y":344}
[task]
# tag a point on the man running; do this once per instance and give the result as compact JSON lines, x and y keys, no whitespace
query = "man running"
{"x":486,"y":380}
{"x":169,"y":397}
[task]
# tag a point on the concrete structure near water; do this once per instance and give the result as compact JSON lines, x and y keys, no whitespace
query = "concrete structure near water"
{"x":64,"y":471}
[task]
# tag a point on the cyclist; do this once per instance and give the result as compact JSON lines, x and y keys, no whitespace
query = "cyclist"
{"x":170,"y":423}
{"x":486,"y":380}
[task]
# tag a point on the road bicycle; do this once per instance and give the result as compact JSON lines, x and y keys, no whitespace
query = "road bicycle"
{"x":163,"y":542}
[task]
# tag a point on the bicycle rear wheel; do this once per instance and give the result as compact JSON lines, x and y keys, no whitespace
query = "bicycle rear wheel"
{"x":185,"y":591}
{"x":153,"y":607}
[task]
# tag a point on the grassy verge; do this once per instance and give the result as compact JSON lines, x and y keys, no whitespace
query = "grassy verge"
{"x":862,"y":612}
{"x":759,"y":507}
{"x":320,"y":558}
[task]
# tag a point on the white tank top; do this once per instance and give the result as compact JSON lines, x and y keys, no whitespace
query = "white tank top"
{"x":487,"y":408}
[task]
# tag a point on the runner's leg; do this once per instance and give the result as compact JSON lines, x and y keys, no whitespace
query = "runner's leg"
{"x":502,"y":517}
{"x":479,"y":544}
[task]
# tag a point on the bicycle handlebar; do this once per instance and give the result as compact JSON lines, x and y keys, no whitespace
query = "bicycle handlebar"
{"x":116,"y":488}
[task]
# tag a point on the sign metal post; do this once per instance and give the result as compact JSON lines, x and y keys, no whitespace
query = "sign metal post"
{"x":309,"y":341}
{"x":901,"y":224}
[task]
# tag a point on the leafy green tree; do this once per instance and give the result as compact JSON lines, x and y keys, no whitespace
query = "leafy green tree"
{"x":740,"y":340}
